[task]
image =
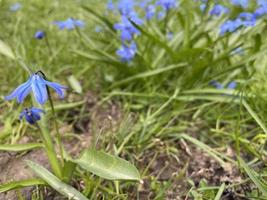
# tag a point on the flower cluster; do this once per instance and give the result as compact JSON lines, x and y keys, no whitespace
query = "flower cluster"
{"x":244,"y":19}
{"x":38,"y":85}
{"x":129,"y":13}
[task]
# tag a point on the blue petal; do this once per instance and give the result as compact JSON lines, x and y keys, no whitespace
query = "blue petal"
{"x":23,"y":88}
{"x":57,"y":87}
{"x":29,"y":119}
{"x":39,"y":89}
{"x":232,"y":85}
{"x":37,"y":110}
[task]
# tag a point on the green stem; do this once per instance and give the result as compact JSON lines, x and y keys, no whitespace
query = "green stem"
{"x":50,"y":150}
{"x":58,"y":137}
{"x":48,"y":46}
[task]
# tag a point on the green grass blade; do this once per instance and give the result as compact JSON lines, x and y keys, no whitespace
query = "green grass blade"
{"x":20,"y":184}
{"x":255,"y":116}
{"x":253,"y":176}
{"x":55,"y":183}
{"x":149,"y":73}
{"x":220,"y":192}
{"x":20,"y":147}
{"x":216,"y":155}
{"x":6,"y":50}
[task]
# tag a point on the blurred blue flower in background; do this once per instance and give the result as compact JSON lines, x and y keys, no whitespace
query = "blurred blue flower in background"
{"x":69,"y":24}
{"x":167,"y":4}
{"x":126,"y":6}
{"x":31,"y":114}
{"x":15,"y":7}
{"x":126,"y":52}
{"x":150,"y":11}
{"x":242,"y":3}
{"x":39,"y":35}
{"x":244,"y":19}
{"x":38,"y":85}
{"x":232,"y":85}
{"x":219,"y":9}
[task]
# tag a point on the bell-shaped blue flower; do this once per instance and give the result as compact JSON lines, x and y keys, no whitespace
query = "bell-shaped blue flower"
{"x":38,"y":86}
{"x":31,"y":114}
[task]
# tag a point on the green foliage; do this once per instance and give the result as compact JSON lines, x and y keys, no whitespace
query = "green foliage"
{"x":107,"y":166}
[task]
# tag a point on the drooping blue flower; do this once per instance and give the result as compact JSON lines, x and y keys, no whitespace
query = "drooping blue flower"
{"x":15,"y":7}
{"x":218,"y":10}
{"x":242,"y":3}
{"x":126,"y":52}
{"x":31,"y":114}
{"x":167,"y":4}
{"x":127,"y":29}
{"x":38,"y":86}
{"x":69,"y":24}
{"x":39,"y":35}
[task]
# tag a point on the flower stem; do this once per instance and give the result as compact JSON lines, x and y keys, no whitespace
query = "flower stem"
{"x":48,"y":46}
{"x":50,"y":150}
{"x":58,"y":137}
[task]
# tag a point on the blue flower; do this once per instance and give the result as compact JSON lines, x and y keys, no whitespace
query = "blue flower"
{"x":248,"y":19}
{"x":39,"y":35}
{"x":69,"y":24}
{"x":127,"y":29}
{"x":218,"y":10}
{"x":216,"y":84}
{"x":127,"y":53}
{"x":167,"y":4}
{"x":242,"y":3}
{"x":15,"y":7}
{"x":230,"y":26}
{"x":38,"y":85}
{"x":31,"y":114}
{"x":126,"y":6}
{"x":150,"y":11}
{"x":244,"y":19}
{"x":110,"y":5}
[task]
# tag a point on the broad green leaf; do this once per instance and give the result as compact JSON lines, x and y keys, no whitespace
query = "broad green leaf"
{"x":107,"y":166}
{"x":6,"y":50}
{"x":253,"y":176}
{"x":75,"y":84}
{"x":55,"y":183}
{"x":20,"y":147}
{"x":20,"y":184}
